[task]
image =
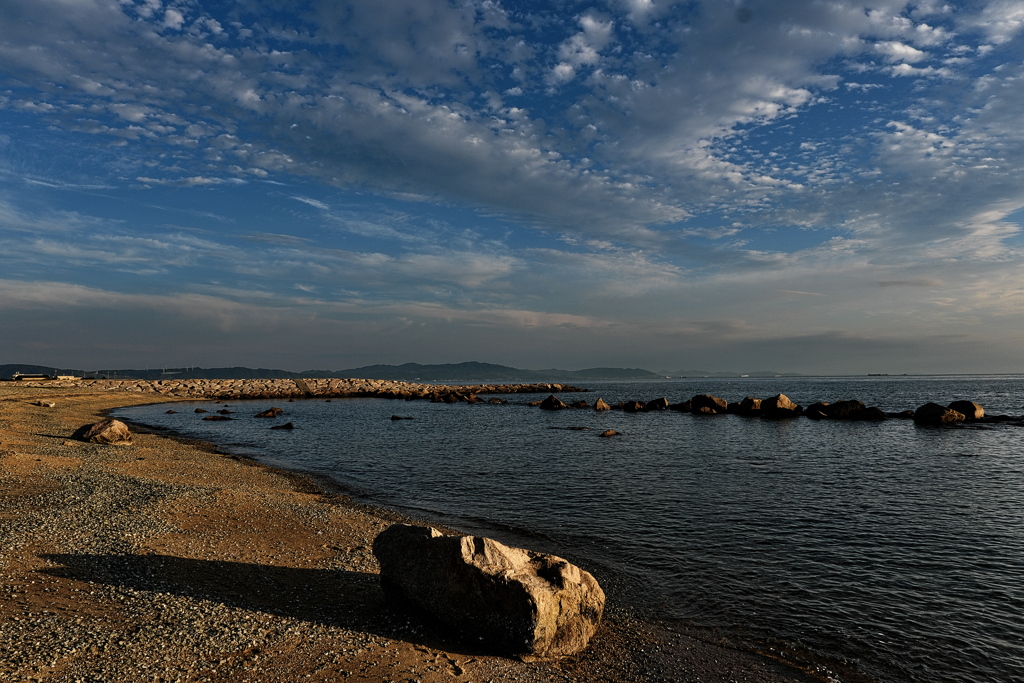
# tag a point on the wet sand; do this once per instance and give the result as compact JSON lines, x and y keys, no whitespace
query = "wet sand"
{"x":165,"y":560}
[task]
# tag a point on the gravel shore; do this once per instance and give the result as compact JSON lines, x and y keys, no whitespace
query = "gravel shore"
{"x":165,"y":560}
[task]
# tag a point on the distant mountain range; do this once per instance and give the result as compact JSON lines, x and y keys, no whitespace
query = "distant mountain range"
{"x":461,"y":372}
{"x":706,"y":373}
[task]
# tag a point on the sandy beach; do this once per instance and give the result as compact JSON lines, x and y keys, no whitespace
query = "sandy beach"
{"x":165,"y":560}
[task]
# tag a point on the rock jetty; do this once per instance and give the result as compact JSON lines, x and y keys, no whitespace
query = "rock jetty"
{"x":781,"y":407}
{"x":300,"y":388}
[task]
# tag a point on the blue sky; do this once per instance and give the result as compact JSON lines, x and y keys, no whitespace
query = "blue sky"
{"x":819,"y":187}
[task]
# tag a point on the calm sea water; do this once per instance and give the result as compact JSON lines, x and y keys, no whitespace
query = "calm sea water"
{"x":882,"y":550}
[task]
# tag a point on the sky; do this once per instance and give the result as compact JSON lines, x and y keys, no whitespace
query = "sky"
{"x":799,"y":186}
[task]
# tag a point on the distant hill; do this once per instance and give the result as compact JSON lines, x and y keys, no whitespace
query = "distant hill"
{"x":8,"y":371}
{"x":456,"y":372}
{"x":706,"y":373}
{"x":475,"y":371}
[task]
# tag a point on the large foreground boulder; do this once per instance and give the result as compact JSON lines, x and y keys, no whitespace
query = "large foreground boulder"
{"x":108,"y":431}
{"x":513,"y":601}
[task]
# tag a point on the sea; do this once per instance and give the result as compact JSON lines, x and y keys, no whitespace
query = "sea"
{"x":872,"y":551}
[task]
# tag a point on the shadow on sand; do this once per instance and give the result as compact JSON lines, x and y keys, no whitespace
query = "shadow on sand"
{"x":332,"y":597}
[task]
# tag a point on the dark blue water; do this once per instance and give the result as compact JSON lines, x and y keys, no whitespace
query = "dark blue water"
{"x":881,"y":549}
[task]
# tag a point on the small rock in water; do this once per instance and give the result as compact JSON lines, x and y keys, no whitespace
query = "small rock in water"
{"x":399,"y":417}
{"x":286,"y":425}
{"x":552,"y":402}
{"x":608,"y":432}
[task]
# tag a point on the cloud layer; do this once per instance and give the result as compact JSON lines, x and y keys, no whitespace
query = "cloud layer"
{"x":516,"y":182}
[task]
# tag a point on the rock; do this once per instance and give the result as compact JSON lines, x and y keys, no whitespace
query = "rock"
{"x":901,"y":415}
{"x":108,"y":431}
{"x":513,"y":601}
{"x":933,"y":415}
{"x":579,"y":404}
{"x":657,"y":404}
{"x":683,"y":407}
{"x":608,"y":432}
{"x":552,"y":402}
{"x":286,"y":425}
{"x":747,"y":407}
{"x":46,"y":404}
{"x":200,"y":410}
{"x":600,"y":405}
{"x":225,"y":411}
{"x":171,"y":412}
{"x":216,"y":418}
{"x":817,"y":411}
{"x":706,"y":404}
{"x":970,"y":409}
{"x":844,"y":410}
{"x":872,"y":414}
{"x":399,"y":417}
{"x":269,"y":412}
{"x":778,"y":402}
{"x":779,"y":407}
{"x":633,"y":406}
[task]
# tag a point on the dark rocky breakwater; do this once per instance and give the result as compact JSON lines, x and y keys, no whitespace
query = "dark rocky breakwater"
{"x":780,"y":407}
{"x":301,"y":388}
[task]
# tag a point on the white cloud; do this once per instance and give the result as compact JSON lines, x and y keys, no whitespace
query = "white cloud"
{"x":895,"y":51}
{"x":173,"y":19}
{"x":1001,"y":20}
{"x":313,"y":202}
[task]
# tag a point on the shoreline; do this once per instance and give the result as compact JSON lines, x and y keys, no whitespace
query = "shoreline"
{"x":167,"y":560}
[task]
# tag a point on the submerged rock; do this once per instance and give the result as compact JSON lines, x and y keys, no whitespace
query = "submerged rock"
{"x":513,"y":601}
{"x":269,"y":412}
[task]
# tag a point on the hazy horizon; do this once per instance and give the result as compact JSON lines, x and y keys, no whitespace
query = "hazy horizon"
{"x":819,"y":188}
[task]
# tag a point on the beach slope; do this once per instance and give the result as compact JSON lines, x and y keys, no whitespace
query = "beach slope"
{"x":164,"y":560}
